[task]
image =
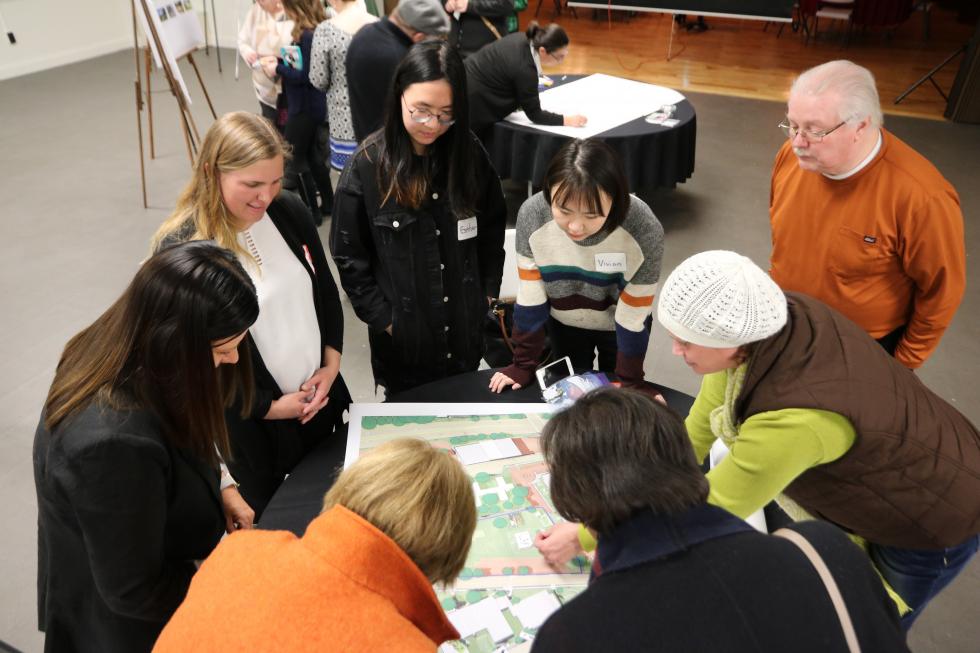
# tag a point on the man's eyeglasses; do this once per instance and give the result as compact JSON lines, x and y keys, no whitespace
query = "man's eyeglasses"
{"x":810,"y":136}
{"x":423,"y":116}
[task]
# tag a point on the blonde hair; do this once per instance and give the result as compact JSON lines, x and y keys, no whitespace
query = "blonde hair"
{"x":854,"y":86}
{"x":418,"y":496}
{"x":233,"y":142}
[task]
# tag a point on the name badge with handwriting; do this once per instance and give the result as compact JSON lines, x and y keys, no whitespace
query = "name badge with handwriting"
{"x":613,"y":262}
{"x":466,"y":229}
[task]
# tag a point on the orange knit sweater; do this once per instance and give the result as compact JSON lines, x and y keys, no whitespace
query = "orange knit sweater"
{"x":345,"y":586}
{"x":884,"y":247}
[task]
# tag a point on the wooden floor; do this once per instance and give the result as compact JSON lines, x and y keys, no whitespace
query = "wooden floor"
{"x":736,"y":57}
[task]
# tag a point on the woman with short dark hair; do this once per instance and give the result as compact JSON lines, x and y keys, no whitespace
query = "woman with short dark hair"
{"x":503,"y":76}
{"x":126,"y":454}
{"x":673,"y":573}
{"x":418,"y":229}
{"x":588,"y":258}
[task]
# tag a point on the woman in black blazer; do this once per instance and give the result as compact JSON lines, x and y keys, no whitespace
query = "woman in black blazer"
{"x":503,"y":77}
{"x":126,"y":454}
{"x":234,"y":198}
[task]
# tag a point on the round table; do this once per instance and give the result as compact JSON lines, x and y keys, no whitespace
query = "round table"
{"x":300,"y":497}
{"x":655,"y":156}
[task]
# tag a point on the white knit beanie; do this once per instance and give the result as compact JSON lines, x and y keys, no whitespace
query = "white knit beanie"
{"x":721,"y":299}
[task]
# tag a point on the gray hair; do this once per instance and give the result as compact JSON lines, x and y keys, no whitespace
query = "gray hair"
{"x":854,"y":85}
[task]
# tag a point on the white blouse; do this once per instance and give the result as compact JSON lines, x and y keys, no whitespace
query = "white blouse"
{"x":286,"y":334}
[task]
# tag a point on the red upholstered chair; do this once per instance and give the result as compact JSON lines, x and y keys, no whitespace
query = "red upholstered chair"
{"x":887,"y":14}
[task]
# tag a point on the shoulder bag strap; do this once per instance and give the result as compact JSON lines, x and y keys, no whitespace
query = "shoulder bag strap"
{"x":493,"y":30}
{"x":828,"y":580}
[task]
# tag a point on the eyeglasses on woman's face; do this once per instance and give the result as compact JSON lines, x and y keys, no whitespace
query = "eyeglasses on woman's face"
{"x":424,"y":116}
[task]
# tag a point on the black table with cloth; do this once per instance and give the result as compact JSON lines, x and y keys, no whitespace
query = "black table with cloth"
{"x":655,"y":156}
{"x":300,"y":497}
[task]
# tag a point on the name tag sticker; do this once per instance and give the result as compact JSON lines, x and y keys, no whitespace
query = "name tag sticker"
{"x":466,"y":229}
{"x":615,"y":262}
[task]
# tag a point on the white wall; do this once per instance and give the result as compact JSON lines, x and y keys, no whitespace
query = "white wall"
{"x":53,"y":33}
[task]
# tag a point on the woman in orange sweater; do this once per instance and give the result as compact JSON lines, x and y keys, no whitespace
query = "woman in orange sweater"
{"x":360,"y":579}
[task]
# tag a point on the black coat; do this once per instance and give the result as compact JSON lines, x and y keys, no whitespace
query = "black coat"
{"x":122,"y":515}
{"x":501,"y":77}
{"x":470,"y":33}
{"x":407,"y":268}
{"x":708,"y":582}
{"x":269,"y":449}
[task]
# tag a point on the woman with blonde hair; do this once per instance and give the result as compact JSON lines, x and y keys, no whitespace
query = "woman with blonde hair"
{"x":126,"y":454}
{"x":306,"y":107}
{"x":234,"y":199}
{"x":262,"y":35}
{"x":360,"y":579}
{"x":328,"y":72}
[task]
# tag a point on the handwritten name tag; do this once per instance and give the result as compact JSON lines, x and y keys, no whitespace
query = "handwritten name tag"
{"x":466,"y":229}
{"x":614,"y":262}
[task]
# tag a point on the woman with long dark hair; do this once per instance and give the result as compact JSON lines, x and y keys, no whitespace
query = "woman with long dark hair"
{"x":503,"y":77}
{"x":126,"y":455}
{"x":418,"y":227}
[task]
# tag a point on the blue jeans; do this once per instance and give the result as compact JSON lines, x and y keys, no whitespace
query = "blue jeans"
{"x":918,"y":575}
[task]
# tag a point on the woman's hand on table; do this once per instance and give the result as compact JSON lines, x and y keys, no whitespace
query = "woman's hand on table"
{"x":499,"y":381}
{"x":575,"y":121}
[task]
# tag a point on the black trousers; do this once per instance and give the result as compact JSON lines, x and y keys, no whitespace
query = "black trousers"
{"x":581,"y":346}
{"x":889,"y":341}
{"x":308,"y":163}
{"x":269,"y":113}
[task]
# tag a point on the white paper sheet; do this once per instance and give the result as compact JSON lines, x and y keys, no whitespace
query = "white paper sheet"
{"x":481,"y":452}
{"x":534,"y":610}
{"x":479,"y":616}
{"x":605,"y":100}
{"x":718,"y":452}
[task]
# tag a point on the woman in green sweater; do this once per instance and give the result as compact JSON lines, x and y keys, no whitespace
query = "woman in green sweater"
{"x":821,"y":419}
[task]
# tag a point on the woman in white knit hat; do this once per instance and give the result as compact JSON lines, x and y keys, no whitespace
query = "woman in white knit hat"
{"x":819,"y":417}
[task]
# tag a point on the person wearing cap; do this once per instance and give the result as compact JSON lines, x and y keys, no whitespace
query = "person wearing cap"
{"x":821,"y":418}
{"x":375,"y":52}
{"x":862,"y":221}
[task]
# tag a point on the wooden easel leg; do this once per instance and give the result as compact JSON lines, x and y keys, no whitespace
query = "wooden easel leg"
{"x":139,"y":131}
{"x":190,"y":57}
{"x":217,"y":46}
{"x":149,"y":101}
{"x":670,"y":42}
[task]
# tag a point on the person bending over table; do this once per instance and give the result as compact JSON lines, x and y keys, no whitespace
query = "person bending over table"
{"x":503,"y":76}
{"x":674,"y":573}
{"x":126,"y":454}
{"x":820,"y":418}
{"x":588,"y":258}
{"x":418,"y":230}
{"x":360,"y":579}
{"x":234,"y":199}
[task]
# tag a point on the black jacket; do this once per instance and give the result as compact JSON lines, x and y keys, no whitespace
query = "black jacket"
{"x":273,"y":447}
{"x":501,"y":77}
{"x":122,"y":515}
{"x":372,"y":57}
{"x":706,"y":581}
{"x":407,"y":268}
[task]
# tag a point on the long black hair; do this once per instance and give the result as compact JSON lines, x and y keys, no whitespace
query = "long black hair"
{"x":152,"y":349}
{"x":407,"y":177}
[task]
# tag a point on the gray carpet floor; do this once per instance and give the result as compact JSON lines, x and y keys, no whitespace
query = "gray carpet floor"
{"x":75,"y":230}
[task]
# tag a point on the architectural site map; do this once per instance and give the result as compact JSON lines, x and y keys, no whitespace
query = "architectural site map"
{"x":506,"y":591}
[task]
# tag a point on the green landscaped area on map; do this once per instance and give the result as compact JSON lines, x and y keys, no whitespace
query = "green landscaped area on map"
{"x":495,"y":540}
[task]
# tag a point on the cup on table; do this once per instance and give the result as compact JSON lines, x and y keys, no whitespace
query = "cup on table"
{"x":662,"y":114}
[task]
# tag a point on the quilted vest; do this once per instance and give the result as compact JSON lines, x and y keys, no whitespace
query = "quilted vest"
{"x":912,"y":477}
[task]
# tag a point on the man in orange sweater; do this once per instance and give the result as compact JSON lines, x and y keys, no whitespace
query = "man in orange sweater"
{"x":862,"y":221}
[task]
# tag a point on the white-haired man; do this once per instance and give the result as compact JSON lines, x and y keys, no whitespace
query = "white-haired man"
{"x":862,"y":221}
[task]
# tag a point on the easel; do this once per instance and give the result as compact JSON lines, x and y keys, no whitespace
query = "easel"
{"x":217,"y":46}
{"x":189,"y":128}
{"x":928,"y":76}
{"x":148,"y":58}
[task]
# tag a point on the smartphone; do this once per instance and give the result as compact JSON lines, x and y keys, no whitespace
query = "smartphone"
{"x":554,"y":372}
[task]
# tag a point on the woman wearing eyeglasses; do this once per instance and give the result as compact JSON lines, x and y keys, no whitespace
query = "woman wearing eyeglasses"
{"x":503,"y":77}
{"x":418,"y":227}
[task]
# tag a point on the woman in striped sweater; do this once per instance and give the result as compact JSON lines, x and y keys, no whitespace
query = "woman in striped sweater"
{"x":588,"y":256}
